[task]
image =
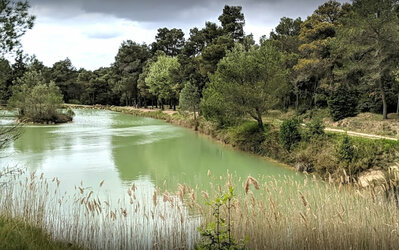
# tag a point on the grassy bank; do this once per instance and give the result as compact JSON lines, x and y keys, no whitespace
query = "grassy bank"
{"x":15,"y":234}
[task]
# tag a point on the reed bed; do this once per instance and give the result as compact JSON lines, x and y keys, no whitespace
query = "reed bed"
{"x":83,"y":217}
{"x":270,"y":212}
{"x":283,"y":213}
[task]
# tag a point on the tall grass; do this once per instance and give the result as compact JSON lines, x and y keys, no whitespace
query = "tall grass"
{"x":136,"y":221}
{"x":272,"y":213}
{"x":287,"y":214}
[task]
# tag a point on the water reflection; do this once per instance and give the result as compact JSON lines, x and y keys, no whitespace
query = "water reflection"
{"x":103,"y":145}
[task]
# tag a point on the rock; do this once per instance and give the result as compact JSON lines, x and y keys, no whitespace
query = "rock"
{"x":371,"y":177}
{"x":304,"y":167}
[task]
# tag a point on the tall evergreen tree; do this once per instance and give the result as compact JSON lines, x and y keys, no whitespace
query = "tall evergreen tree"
{"x":170,"y":41}
{"x":129,"y":64}
{"x":369,"y":43}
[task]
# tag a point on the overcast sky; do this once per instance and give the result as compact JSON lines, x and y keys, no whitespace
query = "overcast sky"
{"x":90,"y":32}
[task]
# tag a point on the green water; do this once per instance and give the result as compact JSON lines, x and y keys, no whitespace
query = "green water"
{"x":121,"y":149}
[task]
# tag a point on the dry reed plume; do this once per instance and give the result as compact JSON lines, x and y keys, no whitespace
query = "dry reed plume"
{"x":283,"y":213}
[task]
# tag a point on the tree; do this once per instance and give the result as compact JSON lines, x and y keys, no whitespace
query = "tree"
{"x":213,"y":53}
{"x":369,"y":42}
{"x":144,"y":90}
{"x":286,"y":39}
{"x":286,"y":35}
{"x":129,"y":64}
{"x":246,"y":83}
{"x":5,"y":80}
{"x":171,"y":42}
{"x":314,"y":70}
{"x":64,"y":75}
{"x":233,"y":22}
{"x":162,"y":80}
{"x":36,"y":100}
{"x":343,"y":103}
{"x":97,"y":87}
{"x":14,"y":22}
{"x":201,"y":42}
{"x":190,"y":100}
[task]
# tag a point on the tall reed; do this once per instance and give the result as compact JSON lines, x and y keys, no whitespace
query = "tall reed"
{"x":271,"y":212}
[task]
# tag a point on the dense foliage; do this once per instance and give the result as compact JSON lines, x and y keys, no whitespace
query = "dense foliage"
{"x":343,"y":57}
{"x":289,"y":133}
{"x":14,"y":22}
{"x":36,"y":100}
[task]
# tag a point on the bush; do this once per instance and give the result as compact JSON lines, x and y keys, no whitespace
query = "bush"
{"x":289,"y":133}
{"x":74,"y":101}
{"x":346,"y":150}
{"x":343,"y":103}
{"x":37,"y":101}
{"x":70,"y":112}
{"x":217,"y":234}
{"x":247,"y":136}
{"x":315,"y":128}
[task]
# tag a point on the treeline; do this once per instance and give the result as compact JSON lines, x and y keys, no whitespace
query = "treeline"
{"x":343,"y":57}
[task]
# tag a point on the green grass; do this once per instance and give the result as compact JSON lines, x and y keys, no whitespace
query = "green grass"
{"x":15,"y":234}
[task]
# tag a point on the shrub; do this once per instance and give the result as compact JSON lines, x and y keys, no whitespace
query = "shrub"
{"x":289,"y":133}
{"x":247,"y":136}
{"x":343,"y":103}
{"x":217,"y":234}
{"x":70,"y":112}
{"x":315,"y":128}
{"x":346,"y":150}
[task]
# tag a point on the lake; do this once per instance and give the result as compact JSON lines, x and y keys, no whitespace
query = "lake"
{"x":116,"y":159}
{"x":121,"y":149}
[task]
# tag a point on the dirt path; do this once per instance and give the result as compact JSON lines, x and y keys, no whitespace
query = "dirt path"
{"x":357,"y":134}
{"x":166,"y":111}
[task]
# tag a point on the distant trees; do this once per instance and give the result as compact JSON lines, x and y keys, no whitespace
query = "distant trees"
{"x":246,"y":83}
{"x":343,"y":57}
{"x":64,"y":75}
{"x":286,"y":39}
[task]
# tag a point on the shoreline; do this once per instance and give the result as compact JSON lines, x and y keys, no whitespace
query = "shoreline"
{"x":184,"y":124}
{"x":287,"y":160}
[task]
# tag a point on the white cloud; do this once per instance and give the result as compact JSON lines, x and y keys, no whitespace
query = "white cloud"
{"x":89,"y":40}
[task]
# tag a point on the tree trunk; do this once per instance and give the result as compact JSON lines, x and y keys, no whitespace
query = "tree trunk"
{"x":259,"y":120}
{"x":397,"y":107}
{"x":195,"y":120}
{"x":384,"y":101}
{"x":260,"y":124}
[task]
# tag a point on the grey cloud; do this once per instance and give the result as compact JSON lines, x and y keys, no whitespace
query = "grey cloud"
{"x":184,"y":14}
{"x":176,"y":10}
